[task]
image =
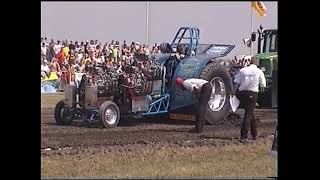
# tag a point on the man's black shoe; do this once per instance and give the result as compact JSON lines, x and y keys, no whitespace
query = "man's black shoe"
{"x":244,"y":141}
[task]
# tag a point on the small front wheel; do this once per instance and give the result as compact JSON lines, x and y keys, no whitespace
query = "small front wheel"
{"x":109,"y":114}
{"x":62,"y":115}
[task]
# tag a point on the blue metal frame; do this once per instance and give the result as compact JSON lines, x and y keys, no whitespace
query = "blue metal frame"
{"x":159,"y":106}
{"x":191,"y":66}
{"x":194,"y":38}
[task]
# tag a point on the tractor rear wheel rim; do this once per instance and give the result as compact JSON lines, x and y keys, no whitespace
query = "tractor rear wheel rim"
{"x":111,"y":114}
{"x":218,"y":96}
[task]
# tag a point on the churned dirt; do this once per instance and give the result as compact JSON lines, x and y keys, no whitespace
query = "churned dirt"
{"x":137,"y":134}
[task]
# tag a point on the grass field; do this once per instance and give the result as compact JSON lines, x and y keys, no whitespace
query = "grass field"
{"x":251,"y":160}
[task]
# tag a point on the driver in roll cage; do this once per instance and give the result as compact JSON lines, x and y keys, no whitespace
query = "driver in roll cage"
{"x":202,"y":89}
{"x":171,"y":64}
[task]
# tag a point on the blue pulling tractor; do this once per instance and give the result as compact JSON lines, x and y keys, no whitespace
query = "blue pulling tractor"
{"x":148,"y":87}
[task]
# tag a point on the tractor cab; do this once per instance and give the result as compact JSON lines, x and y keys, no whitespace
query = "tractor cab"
{"x":268,"y":63}
{"x":268,"y":41}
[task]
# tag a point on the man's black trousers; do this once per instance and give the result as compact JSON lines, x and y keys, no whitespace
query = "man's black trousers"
{"x":248,"y":100}
{"x":202,"y":105}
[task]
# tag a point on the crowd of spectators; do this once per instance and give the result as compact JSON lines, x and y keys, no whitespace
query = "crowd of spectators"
{"x":58,"y":56}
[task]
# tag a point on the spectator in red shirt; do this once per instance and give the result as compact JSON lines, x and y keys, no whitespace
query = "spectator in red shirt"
{"x":61,"y":58}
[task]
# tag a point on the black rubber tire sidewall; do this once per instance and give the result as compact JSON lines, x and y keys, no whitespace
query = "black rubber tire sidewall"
{"x":209,"y":72}
{"x":57,"y":112}
{"x":61,"y":119}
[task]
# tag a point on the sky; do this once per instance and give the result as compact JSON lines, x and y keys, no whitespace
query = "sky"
{"x":219,"y":22}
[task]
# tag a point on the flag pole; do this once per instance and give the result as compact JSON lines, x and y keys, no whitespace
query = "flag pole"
{"x":147,"y":22}
{"x":251,"y":52}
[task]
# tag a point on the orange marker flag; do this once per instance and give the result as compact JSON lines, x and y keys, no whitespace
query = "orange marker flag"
{"x":259,"y":7}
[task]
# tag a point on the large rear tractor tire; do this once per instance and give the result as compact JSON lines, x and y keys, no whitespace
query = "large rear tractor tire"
{"x":221,"y":81}
{"x":62,"y":115}
{"x":109,"y":114}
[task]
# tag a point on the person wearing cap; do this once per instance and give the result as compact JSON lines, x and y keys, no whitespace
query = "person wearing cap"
{"x":202,"y":90}
{"x":247,"y":81}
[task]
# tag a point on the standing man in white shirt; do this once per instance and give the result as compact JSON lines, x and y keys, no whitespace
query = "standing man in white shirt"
{"x":203,"y":90}
{"x":248,"y":81}
{"x":43,"y":52}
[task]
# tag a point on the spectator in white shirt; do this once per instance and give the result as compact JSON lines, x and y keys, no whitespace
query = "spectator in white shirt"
{"x":45,"y":70}
{"x":57,"y":47}
{"x":248,"y":80}
{"x":43,"y":52}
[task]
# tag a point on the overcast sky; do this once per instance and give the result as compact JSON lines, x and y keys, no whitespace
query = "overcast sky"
{"x":219,"y":22}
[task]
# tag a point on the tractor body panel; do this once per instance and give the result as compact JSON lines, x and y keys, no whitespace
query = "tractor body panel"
{"x":191,"y":67}
{"x":268,"y":62}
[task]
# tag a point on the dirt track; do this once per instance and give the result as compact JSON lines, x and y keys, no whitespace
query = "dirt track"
{"x":136,"y":133}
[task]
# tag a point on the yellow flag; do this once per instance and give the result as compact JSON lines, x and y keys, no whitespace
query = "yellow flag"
{"x":259,"y":7}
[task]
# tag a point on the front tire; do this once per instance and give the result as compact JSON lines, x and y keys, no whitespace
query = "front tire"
{"x":221,"y":81}
{"x":109,"y":114}
{"x":62,"y":115}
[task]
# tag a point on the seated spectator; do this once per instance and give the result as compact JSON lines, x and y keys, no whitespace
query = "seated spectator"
{"x":81,"y":66}
{"x":87,"y":59}
{"x":55,"y":67}
{"x":45,"y":70}
{"x":95,"y":58}
{"x":101,"y":56}
{"x":52,"y":75}
{"x":79,"y":56}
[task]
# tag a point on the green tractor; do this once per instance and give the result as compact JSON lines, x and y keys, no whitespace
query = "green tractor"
{"x":268,"y":58}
